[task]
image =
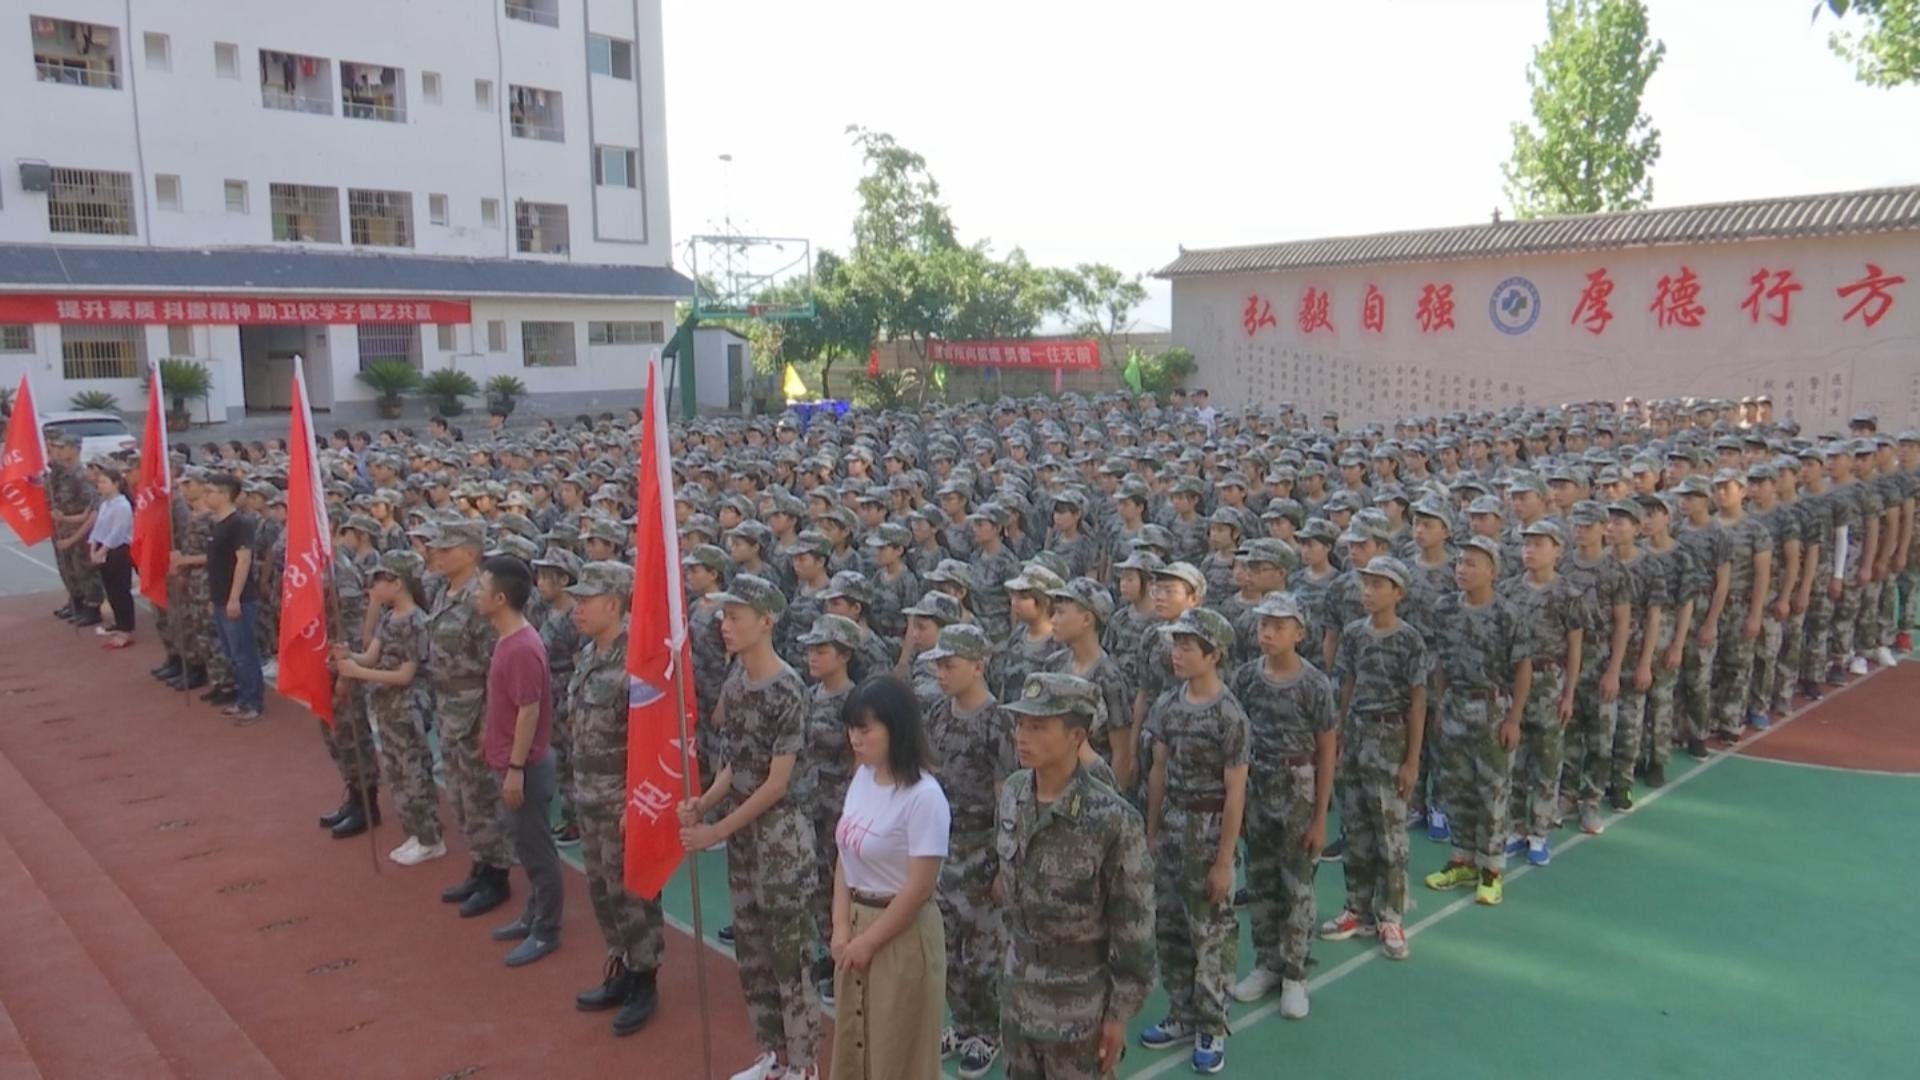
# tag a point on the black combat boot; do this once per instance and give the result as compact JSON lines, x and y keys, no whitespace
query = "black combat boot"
{"x":612,"y":991}
{"x":168,"y":671}
{"x":641,"y":1002}
{"x":454,"y":894}
{"x":328,"y":821}
{"x":493,"y":891}
{"x":358,"y":818}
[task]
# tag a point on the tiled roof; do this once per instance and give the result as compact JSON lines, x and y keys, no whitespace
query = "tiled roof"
{"x":1836,"y":214}
{"x":271,"y":269}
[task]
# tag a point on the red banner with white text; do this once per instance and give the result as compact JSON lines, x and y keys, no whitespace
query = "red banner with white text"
{"x":1062,"y":354}
{"x":233,"y":310}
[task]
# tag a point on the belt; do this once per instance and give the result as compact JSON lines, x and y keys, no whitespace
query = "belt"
{"x":1382,"y":717}
{"x":870,"y":900}
{"x":1478,"y":695}
{"x":1295,"y":761}
{"x":1202,"y":806}
{"x":1542,"y":663}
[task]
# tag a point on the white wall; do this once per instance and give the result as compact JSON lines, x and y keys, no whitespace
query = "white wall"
{"x":207,"y":129}
{"x":1818,"y":369}
{"x":710,"y":372}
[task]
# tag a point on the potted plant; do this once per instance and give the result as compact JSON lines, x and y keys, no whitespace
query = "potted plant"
{"x":184,"y":381}
{"x":94,"y":401}
{"x":446,"y":386}
{"x":391,"y":378}
{"x":502,"y":392}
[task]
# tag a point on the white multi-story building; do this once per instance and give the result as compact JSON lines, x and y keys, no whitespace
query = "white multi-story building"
{"x":479,"y":184}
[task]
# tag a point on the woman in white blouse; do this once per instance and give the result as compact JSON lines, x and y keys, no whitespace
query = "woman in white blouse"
{"x":889,"y":949}
{"x":108,"y":547}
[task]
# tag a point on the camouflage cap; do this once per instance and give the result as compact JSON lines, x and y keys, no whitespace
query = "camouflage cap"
{"x":462,"y":533}
{"x":705,"y":555}
{"x":1226,"y":517}
{"x":991,"y":513}
{"x":1204,"y":623}
{"x":1526,"y":482}
{"x":1034,"y":577}
{"x":1055,"y":693}
{"x":1628,"y":507}
{"x":1694,"y":485}
{"x":1587,"y":512}
{"x":1140,"y":559}
{"x":1729,"y":476}
{"x":1388,"y":567}
{"x":405,"y":566}
{"x":937,"y":606}
{"x":1271,"y":551}
{"x":890,"y":533}
{"x":1435,"y":507}
{"x":608,"y":530}
{"x":834,"y":630}
{"x":1155,"y":536}
{"x":757,"y":593}
{"x":1488,"y":504}
{"x":1320,"y":529}
{"x":964,"y":640}
{"x":1088,"y":594}
{"x":1189,"y":485}
{"x":1548,"y":528}
{"x":952,"y":571}
{"x":603,"y":578}
{"x":1485,"y":545}
{"x":514,"y":544}
{"x":1360,"y":530}
{"x":1343,"y":500}
{"x":1280,"y":605}
{"x":849,"y":585}
{"x":811,"y":542}
{"x":702,"y":524}
{"x":361,"y":523}
{"x":1185,"y":572}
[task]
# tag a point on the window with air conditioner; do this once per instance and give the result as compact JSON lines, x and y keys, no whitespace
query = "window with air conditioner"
{"x":303,"y":213}
{"x":72,"y":53}
{"x":90,"y":201}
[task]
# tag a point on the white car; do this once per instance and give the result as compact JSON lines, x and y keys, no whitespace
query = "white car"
{"x":101,"y":434}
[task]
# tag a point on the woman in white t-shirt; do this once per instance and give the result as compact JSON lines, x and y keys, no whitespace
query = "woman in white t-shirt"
{"x":889,"y":949}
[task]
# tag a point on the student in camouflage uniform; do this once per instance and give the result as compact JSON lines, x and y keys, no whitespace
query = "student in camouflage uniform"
{"x":388,"y":668}
{"x":807,"y":601}
{"x":970,"y":735}
{"x":1606,"y":591}
{"x":895,"y":585}
{"x":1647,"y":603}
{"x":1798,"y":478}
{"x":460,"y":649}
{"x":1776,"y":606}
{"x":1076,"y":883}
{"x":73,"y":500}
{"x":598,"y":699}
{"x":761,"y":734}
{"x":1709,"y":552}
{"x":1292,"y":733}
{"x":1669,"y":578}
{"x":1485,"y":678}
{"x":993,"y":564}
{"x":1196,"y":802}
{"x":850,"y":596}
{"x":1080,"y":607}
{"x":1552,"y":618}
{"x":705,"y":574}
{"x":1031,"y":646}
{"x":830,"y":644}
{"x":189,"y":609}
{"x":554,"y":572}
{"x":1749,"y":589}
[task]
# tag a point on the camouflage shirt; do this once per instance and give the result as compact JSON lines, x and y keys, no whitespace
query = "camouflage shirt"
{"x":562,"y":640}
{"x":989,"y":595}
{"x":403,"y":639}
{"x":1312,"y":594}
{"x":1545,"y":614}
{"x":760,"y":721}
{"x":1707,"y":547}
{"x":1284,"y":716}
{"x":1385,"y":667}
{"x":462,"y":641}
{"x":829,"y":757}
{"x":1428,"y":588}
{"x":1079,"y":909}
{"x":597,"y":702}
{"x":1217,"y":568}
{"x":1602,"y":585}
{"x":1747,"y":539}
{"x":804,"y":605}
{"x":709,"y":653}
{"x":1081,"y":553}
{"x":891,"y":597}
{"x":972,"y":753}
{"x":1116,"y":697}
{"x":1340,"y":606}
{"x":1189,"y":538}
{"x":1023,"y":655}
{"x":1203,"y":739}
{"x":1478,"y":647}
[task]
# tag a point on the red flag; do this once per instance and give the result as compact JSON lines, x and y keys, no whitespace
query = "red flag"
{"x":873,"y":363}
{"x":659,"y":773}
{"x":23,"y":473}
{"x":305,"y":674}
{"x":152,"y":545}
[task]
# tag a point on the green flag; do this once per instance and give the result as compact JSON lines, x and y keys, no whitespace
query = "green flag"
{"x":940,"y":377}
{"x":1132,"y":371}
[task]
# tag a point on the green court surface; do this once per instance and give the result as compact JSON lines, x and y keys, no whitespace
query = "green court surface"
{"x":1752,"y":919}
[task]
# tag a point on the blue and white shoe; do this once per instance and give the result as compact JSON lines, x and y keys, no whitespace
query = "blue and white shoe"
{"x":1759,"y":721}
{"x":1516,"y":845}
{"x":1437,"y":829}
{"x":1539,"y":852}
{"x":1166,"y":1033}
{"x":1209,"y":1053}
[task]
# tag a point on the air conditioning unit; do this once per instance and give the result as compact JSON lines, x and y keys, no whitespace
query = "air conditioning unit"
{"x":35,"y":176}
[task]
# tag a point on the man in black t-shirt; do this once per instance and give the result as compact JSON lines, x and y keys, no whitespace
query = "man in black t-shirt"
{"x":230,"y":585}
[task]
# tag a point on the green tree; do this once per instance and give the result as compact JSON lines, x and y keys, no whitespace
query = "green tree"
{"x":1886,"y":49}
{"x":1590,"y":146}
{"x":1098,"y":302}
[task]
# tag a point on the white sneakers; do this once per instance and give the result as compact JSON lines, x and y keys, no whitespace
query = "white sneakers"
{"x":1258,"y":983}
{"x":1293,"y":999}
{"x":413,"y":852}
{"x":764,"y":1067}
{"x":1858,"y":665}
{"x":1883,"y":656}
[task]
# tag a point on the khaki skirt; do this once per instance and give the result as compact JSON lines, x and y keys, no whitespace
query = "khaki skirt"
{"x":887,"y":1020}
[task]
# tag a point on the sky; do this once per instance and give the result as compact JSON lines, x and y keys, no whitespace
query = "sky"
{"x":1119,"y":132}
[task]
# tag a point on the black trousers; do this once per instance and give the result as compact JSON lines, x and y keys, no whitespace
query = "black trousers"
{"x":116,"y":576}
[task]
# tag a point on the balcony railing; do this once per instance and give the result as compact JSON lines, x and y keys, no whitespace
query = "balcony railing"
{"x":275,"y":98}
{"x":533,"y":13}
{"x":364,"y":110}
{"x":527,"y":129}
{"x":76,"y":74}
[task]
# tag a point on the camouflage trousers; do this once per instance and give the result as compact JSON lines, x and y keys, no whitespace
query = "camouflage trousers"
{"x":1845,"y":623}
{"x":1876,"y":616}
{"x":1733,"y":666}
{"x":349,"y":738}
{"x":976,"y":932}
{"x":830,"y":794}
{"x":1657,"y":736}
{"x":1076,"y":1060}
{"x":1819,"y":627}
{"x":1792,"y":655}
{"x":1586,"y":764}
{"x":631,"y":925}
{"x":1536,"y":763}
{"x":1374,"y":816}
{"x":1197,"y":940}
{"x":1908,"y":616}
{"x":770,"y":881}
{"x":472,"y":787}
{"x":561,"y":742}
{"x":407,"y":761}
{"x":1279,"y":868}
{"x":1696,"y":685}
{"x":1766,"y":663}
{"x":266,"y":628}
{"x":1475,"y":777}
{"x":80,"y":576}
{"x":189,"y":619}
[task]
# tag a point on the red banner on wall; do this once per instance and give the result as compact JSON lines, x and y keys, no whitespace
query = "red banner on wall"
{"x":236,"y":310}
{"x":1072,"y":355}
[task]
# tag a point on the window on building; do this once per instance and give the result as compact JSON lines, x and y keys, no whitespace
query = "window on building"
{"x":166,"y":191}
{"x":543,"y":12}
{"x":626,"y":333}
{"x":609,"y":56}
{"x":380,"y":218}
{"x":90,"y":201}
{"x":226,"y":59}
{"x":236,"y":196}
{"x":16,"y":338}
{"x":389,"y":341}
{"x":483,"y":94}
{"x":75,"y":53}
{"x":296,"y":83}
{"x":179,"y":339}
{"x":437,"y":209}
{"x":540,"y":228}
{"x":496,"y":335}
{"x":373,"y":92}
{"x":159,"y":52}
{"x":490,"y":213}
{"x":443,"y":337}
{"x":304,"y":213}
{"x":102,"y":350}
{"x":430,"y":87}
{"x":536,"y":114}
{"x":546,"y":344}
{"x":616,"y":166}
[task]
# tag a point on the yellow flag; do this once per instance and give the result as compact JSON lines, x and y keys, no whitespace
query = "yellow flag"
{"x":793,"y":388}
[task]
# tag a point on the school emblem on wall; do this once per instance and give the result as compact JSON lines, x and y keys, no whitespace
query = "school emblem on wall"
{"x":1514,"y":306}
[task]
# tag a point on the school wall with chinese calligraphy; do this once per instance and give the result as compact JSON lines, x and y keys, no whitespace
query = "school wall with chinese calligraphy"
{"x":1825,"y":326}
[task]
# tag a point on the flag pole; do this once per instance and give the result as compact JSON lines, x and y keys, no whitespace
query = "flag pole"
{"x":693,"y":872}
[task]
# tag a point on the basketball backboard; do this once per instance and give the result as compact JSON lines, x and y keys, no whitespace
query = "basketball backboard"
{"x":752,"y":277}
